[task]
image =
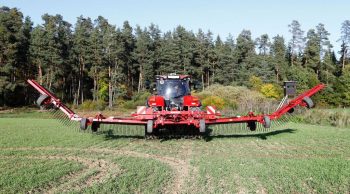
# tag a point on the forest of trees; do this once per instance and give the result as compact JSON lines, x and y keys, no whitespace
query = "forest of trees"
{"x":99,"y":61}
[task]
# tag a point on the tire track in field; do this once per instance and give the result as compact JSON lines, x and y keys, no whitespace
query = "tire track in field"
{"x":180,"y":167}
{"x":73,"y":181}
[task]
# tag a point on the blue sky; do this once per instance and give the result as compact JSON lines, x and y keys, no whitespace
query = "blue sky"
{"x":220,"y":16}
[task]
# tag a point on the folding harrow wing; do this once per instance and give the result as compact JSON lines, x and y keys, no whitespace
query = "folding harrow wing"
{"x":158,"y":116}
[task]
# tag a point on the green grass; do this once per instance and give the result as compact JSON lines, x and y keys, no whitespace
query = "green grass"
{"x":299,"y":158}
{"x":19,"y":175}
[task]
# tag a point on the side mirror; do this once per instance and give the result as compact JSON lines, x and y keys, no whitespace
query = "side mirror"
{"x":154,"y":88}
{"x":154,"y":91}
{"x":147,"y":84}
{"x":196,"y":85}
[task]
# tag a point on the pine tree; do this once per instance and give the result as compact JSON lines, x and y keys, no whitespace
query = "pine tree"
{"x":224,"y":71}
{"x":155,"y":46}
{"x":297,"y":42}
{"x":244,"y":54}
{"x":203,"y":57}
{"x":82,"y":56}
{"x":278,"y":54}
{"x":263,"y":44}
{"x":142,"y":56}
{"x":345,"y":42}
{"x":312,"y":51}
{"x":168,"y":55}
{"x":56,"y":42}
{"x":36,"y":50}
{"x":12,"y":58}
{"x":129,"y":44}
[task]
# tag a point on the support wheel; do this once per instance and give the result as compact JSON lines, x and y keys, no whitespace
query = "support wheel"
{"x":83,"y":123}
{"x":149,"y":126}
{"x":252,"y":126}
{"x":309,"y":103}
{"x":202,"y":127}
{"x":40,"y":101}
{"x":267,"y":122}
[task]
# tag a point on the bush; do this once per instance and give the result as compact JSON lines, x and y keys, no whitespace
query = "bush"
{"x":137,"y":100}
{"x":255,"y":83}
{"x":270,"y":91}
{"x":238,"y":98}
{"x":216,"y":101}
{"x":93,"y":105}
{"x":333,"y":117}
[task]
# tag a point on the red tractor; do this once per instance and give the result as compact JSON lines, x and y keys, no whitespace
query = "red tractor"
{"x":173,"y":107}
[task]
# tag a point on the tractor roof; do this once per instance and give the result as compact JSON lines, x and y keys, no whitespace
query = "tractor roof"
{"x":172,"y":76}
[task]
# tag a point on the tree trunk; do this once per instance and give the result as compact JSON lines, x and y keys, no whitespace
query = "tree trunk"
{"x":82,"y":79}
{"x":110,"y":94}
{"x":50,"y":78}
{"x":343,"y":61}
{"x":203,"y":80}
{"x":115,"y":81}
{"x":277,"y":75}
{"x":78,"y":92}
{"x":95,"y":85}
{"x":139,"y":87}
{"x":40,"y":73}
{"x":208,"y":78}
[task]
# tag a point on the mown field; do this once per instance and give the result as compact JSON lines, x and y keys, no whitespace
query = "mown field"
{"x":38,"y":154}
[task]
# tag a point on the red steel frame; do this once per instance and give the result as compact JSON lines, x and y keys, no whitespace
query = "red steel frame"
{"x":190,"y":117}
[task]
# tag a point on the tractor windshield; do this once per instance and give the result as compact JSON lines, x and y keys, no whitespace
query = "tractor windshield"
{"x":170,"y":88}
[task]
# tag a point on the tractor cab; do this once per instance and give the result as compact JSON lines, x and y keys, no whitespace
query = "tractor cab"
{"x":173,"y":86}
{"x":173,"y":93}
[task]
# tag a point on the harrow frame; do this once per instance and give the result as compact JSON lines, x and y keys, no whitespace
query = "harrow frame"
{"x":197,"y":118}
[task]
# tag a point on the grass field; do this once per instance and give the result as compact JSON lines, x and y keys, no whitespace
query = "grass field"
{"x":41,"y":155}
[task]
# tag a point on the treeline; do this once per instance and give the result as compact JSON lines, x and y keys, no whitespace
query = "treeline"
{"x":96,"y":60}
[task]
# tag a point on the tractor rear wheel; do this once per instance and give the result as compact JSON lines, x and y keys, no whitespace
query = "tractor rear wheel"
{"x":309,"y":102}
{"x":83,"y":123}
{"x":202,"y":127}
{"x":149,"y":126}
{"x":267,"y":122}
{"x":40,"y":101}
{"x":252,"y":126}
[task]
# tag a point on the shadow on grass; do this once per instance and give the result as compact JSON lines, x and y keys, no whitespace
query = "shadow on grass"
{"x":262,"y":136}
{"x":111,"y":135}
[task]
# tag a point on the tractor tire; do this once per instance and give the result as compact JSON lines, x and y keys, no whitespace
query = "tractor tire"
{"x":83,"y":123}
{"x":40,"y":101}
{"x":252,"y":126}
{"x":94,"y":127}
{"x":202,"y":127}
{"x":309,"y":102}
{"x":149,"y":126}
{"x":291,"y":110}
{"x":267,"y":122}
